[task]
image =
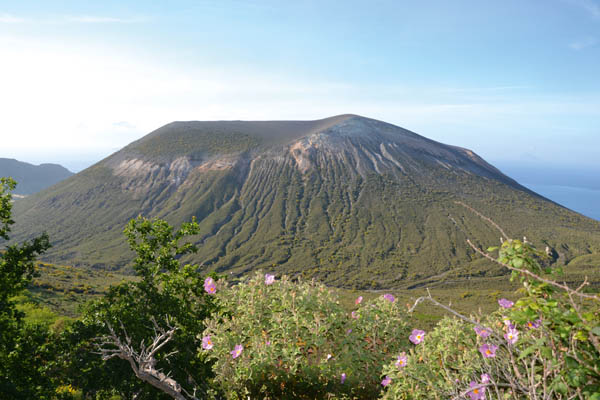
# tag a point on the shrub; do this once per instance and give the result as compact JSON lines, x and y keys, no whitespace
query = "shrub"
{"x":298,"y":342}
{"x":436,"y":368}
{"x":545,"y":345}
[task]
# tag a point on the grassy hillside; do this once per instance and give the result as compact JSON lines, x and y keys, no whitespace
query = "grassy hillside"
{"x":379,"y":232}
{"x":63,"y":288}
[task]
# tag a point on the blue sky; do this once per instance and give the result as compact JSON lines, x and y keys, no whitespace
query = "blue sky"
{"x":517,"y":81}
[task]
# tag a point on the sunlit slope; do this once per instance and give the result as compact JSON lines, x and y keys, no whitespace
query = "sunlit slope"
{"x":353,"y":201}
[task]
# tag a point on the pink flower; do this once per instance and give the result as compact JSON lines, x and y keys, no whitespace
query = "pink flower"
{"x":269,"y":279}
{"x":386,"y":381}
{"x":209,"y":285}
{"x":389,"y":297}
{"x":485,"y":378}
{"x":401,"y":361}
{"x":508,"y":323}
{"x":207,"y":344}
{"x":343,"y":378}
{"x":210,"y":289}
{"x":505,"y":303}
{"x":237,"y":350}
{"x":488,"y":350}
{"x":481,"y":331}
{"x":358,"y":300}
{"x":535,"y":324}
{"x":354,"y":314}
{"x":478,"y":392}
{"x":417,"y":336}
{"x":512,"y":336}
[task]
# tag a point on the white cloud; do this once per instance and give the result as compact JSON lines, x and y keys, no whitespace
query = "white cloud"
{"x":583,"y":43}
{"x":10,"y":19}
{"x":79,"y":99}
{"x":488,"y":88}
{"x":91,"y":19}
{"x":77,"y":19}
{"x":123,"y":125}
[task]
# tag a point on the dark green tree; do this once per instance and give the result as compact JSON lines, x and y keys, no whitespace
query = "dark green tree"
{"x":24,"y":349}
{"x":167,"y":299}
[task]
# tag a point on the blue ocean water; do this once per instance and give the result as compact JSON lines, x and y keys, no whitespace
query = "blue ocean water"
{"x":583,"y":200}
{"x":574,"y":187}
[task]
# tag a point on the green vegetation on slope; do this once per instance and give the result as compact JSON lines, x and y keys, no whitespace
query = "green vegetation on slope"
{"x":64,"y":289}
{"x":379,"y":232}
{"x":191,"y":141}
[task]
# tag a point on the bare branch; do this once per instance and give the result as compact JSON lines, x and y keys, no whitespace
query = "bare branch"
{"x":533,"y":275}
{"x":143,"y":363}
{"x":450,"y":310}
{"x":495,"y":225}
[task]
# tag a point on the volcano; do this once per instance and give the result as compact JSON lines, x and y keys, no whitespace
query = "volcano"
{"x":352,"y":201}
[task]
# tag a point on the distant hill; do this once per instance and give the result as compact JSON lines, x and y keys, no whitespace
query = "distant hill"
{"x":350,"y":200}
{"x":32,"y":178}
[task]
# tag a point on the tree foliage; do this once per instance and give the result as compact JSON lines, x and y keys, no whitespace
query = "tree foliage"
{"x":22,"y":348}
{"x":165,"y":290}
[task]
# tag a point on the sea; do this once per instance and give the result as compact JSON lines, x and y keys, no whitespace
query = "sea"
{"x":575,"y":188}
{"x":583,"y":200}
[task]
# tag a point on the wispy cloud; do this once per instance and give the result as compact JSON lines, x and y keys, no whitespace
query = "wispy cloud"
{"x":76,"y":19}
{"x":10,"y":19}
{"x":488,"y":88}
{"x":591,"y":6}
{"x":123,"y":125}
{"x":94,"y":19}
{"x":583,"y":43}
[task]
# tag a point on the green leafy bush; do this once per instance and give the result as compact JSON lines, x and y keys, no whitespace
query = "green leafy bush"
{"x":545,"y":345}
{"x":298,"y":342}
{"x":436,"y":368}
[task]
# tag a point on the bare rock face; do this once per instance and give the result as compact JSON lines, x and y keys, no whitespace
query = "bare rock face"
{"x":353,"y":201}
{"x":364,"y":146}
{"x":369,"y":146}
{"x":139,"y":176}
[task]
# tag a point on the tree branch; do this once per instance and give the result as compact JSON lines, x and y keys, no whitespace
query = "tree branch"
{"x":474,"y":211}
{"x":143,"y":363}
{"x":533,"y":275}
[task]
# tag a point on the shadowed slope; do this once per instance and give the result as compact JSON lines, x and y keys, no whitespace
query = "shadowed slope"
{"x":32,"y":178}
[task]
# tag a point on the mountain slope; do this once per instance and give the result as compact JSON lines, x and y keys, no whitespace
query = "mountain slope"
{"x":353,"y":201}
{"x":32,"y":178}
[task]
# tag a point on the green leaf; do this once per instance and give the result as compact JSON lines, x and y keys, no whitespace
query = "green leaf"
{"x":561,"y":387}
{"x":518,"y":262}
{"x":528,"y":351}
